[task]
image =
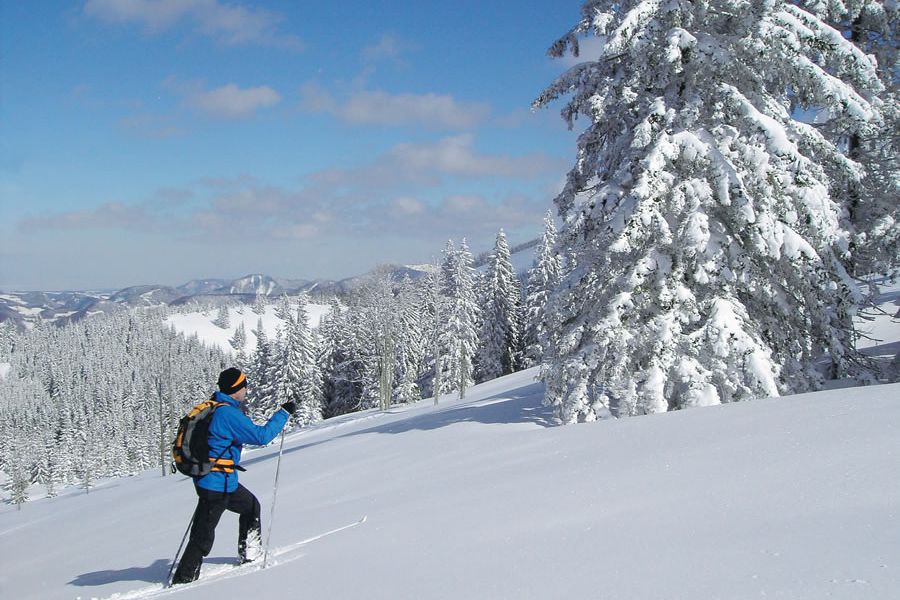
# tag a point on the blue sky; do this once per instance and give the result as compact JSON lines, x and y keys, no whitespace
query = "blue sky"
{"x":160,"y":141}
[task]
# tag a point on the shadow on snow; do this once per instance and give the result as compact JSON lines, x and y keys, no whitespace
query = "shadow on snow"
{"x":155,"y":572}
{"x":510,"y":407}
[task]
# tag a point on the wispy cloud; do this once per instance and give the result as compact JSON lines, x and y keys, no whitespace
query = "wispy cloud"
{"x":456,"y":215}
{"x":388,"y":47}
{"x":377,"y":107}
{"x":398,"y":192}
{"x":231,"y":101}
{"x":110,"y":215}
{"x":228,"y":24}
{"x":456,"y":155}
{"x":226,"y":102}
{"x":156,"y":127}
{"x":430,"y":163}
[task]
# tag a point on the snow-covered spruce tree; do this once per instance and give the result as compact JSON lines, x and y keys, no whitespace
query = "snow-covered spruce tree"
{"x":331,"y":359}
{"x":7,"y":339}
{"x":432,"y":304}
{"x":239,"y":340}
{"x":379,"y":308}
{"x":284,"y":310}
{"x":261,"y":395}
{"x":223,"y":319}
{"x":543,"y":278}
{"x":500,"y":335}
{"x":873,"y":209}
{"x":458,"y":337}
{"x":707,"y":256}
{"x":259,"y":305}
{"x":17,"y":484}
{"x":413,"y":320}
{"x":288,"y":365}
{"x":300,"y":376}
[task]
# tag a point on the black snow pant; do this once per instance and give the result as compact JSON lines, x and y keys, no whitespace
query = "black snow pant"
{"x":210,"y":507}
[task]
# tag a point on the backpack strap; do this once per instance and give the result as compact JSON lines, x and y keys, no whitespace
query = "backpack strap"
{"x":224,"y":465}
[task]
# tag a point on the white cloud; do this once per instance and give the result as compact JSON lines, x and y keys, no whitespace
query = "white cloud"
{"x":230,"y":101}
{"x":457,"y":215}
{"x":407,"y":192}
{"x":228,"y":24}
{"x":428,"y":164}
{"x":406,"y":206}
{"x":295,"y":231}
{"x":388,"y":47}
{"x":456,"y":156}
{"x":152,"y":126}
{"x":109,"y":215}
{"x":463,"y":204}
{"x":382,"y":108}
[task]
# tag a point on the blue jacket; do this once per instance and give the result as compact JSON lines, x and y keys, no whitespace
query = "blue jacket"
{"x":229,"y":430}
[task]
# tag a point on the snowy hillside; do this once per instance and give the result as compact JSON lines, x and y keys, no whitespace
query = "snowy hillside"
{"x":201,"y":325}
{"x":793,"y":498}
{"x":790,"y":498}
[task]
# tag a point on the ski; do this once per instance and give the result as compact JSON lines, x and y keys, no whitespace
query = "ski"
{"x":277,"y":556}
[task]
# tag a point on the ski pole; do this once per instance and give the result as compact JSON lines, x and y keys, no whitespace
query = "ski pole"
{"x":274,"y":495}
{"x":175,"y":560}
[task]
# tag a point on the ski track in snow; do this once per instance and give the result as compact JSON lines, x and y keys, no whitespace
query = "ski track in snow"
{"x":211,"y":574}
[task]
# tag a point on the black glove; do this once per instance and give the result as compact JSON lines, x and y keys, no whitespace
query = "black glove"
{"x":290,"y":407}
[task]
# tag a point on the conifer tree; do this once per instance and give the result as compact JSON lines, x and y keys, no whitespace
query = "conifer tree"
{"x":261,"y":393}
{"x":301,"y":379}
{"x":458,"y":338}
{"x":412,"y":321}
{"x":223,"y":319}
{"x":500,"y":339}
{"x":707,"y":253}
{"x":346,"y":348}
{"x":328,"y":354}
{"x":239,"y":340}
{"x":433,"y":311}
{"x":870,"y":195}
{"x":383,"y":318}
{"x":7,"y":338}
{"x":18,"y":483}
{"x":543,"y":279}
{"x":283,"y":310}
{"x":259,"y":306}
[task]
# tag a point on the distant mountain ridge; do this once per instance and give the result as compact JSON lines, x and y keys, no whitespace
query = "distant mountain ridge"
{"x":25,"y":308}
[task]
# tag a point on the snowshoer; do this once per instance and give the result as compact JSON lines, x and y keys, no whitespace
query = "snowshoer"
{"x":219,"y":490}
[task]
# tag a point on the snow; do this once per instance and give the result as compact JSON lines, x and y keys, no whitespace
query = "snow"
{"x":201,"y":325}
{"x":4,"y":370}
{"x":793,"y":497}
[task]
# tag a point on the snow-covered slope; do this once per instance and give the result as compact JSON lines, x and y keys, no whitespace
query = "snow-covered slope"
{"x":201,"y":325}
{"x":789,"y":498}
